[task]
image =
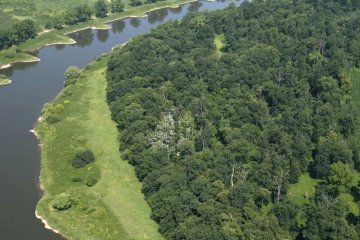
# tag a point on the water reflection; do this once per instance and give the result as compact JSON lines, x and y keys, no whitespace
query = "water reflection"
{"x":83,"y":38}
{"x":102,"y":35}
{"x":118,"y":26}
{"x":195,"y":6}
{"x":157,"y":16}
{"x":135,"y":22}
{"x":17,"y":66}
{"x":176,"y":10}
{"x":59,"y":46}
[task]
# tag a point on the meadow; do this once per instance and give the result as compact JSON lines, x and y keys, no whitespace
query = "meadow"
{"x":113,"y":208}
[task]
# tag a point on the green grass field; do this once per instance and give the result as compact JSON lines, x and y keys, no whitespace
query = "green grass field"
{"x":219,"y":42}
{"x":300,"y":192}
{"x":114,"y":208}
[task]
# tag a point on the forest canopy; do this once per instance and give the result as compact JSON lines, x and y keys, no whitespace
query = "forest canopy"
{"x":222,"y":112}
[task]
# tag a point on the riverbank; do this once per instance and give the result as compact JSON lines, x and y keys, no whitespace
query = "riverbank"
{"x":23,"y":52}
{"x":114,"y":208}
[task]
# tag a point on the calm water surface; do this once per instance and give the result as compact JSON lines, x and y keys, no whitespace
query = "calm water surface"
{"x":33,"y":85}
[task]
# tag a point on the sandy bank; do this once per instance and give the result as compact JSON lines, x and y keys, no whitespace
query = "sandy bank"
{"x":89,"y":27}
{"x":47,"y":226}
{"x":70,"y":42}
{"x":23,"y":61}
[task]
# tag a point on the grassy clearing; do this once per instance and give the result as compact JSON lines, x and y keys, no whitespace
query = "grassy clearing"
{"x":114,"y":208}
{"x":14,"y":54}
{"x":45,"y":39}
{"x":300,"y":192}
{"x":219,"y":42}
{"x":42,"y":10}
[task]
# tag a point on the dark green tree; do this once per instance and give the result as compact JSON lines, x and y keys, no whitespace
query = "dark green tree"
{"x":101,"y":9}
{"x":117,"y":6}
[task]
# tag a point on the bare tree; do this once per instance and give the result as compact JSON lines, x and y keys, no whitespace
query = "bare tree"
{"x":243,"y":173}
{"x":279,"y":182}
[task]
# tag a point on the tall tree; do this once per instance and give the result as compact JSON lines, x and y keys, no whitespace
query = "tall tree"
{"x":101,"y":9}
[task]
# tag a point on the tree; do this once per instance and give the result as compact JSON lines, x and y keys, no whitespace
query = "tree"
{"x":117,"y":6}
{"x":62,"y":202}
{"x":101,"y":9}
{"x":18,"y":33}
{"x":217,"y":142}
{"x":70,"y":18}
{"x":83,"y":13}
{"x":25,"y":30}
{"x":135,"y":3}
{"x":82,"y":158}
{"x":341,"y":176}
{"x":72,"y":72}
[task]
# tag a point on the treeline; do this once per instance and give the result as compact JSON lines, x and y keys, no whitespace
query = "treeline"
{"x":217,"y":136}
{"x":83,"y":13}
{"x":18,"y":33}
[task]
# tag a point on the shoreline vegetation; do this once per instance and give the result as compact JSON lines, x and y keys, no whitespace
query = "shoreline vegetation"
{"x":4,"y":80}
{"x":114,"y":206}
{"x":23,"y":52}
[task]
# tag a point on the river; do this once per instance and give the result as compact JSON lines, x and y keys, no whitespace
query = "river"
{"x":21,"y":102}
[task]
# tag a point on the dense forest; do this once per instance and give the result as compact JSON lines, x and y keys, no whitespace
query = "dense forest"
{"x":222,"y":112}
{"x":18,"y":33}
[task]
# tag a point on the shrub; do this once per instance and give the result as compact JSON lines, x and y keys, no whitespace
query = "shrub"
{"x":101,"y":9}
{"x":9,"y":55}
{"x":83,"y":158}
{"x":81,"y":139}
{"x":76,"y":179}
{"x":57,"y":109}
{"x":117,"y":6}
{"x":48,"y":25}
{"x":62,"y":202}
{"x":72,"y":72}
{"x":135,"y":3}
{"x":91,"y":180}
{"x":70,"y":82}
{"x":52,"y":119}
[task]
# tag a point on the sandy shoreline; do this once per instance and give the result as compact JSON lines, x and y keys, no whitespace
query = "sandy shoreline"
{"x":70,"y":42}
{"x":24,"y":61}
{"x":43,"y":220}
{"x":46,"y":224}
{"x":90,"y":27}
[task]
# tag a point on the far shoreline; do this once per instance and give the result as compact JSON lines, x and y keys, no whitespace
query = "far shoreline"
{"x":90,"y":25}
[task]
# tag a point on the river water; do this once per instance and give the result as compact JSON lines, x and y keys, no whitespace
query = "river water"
{"x":21,"y":102}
